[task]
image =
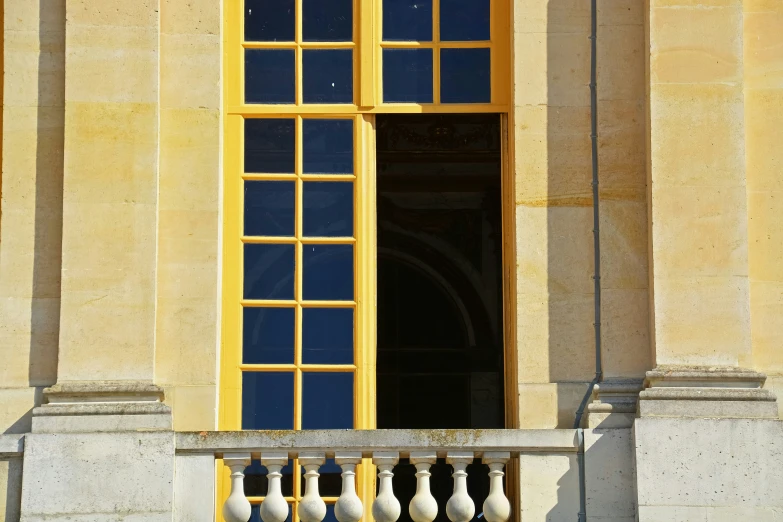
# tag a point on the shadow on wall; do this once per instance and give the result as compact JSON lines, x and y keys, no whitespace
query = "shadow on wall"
{"x":569,"y":200}
{"x":47,"y":246}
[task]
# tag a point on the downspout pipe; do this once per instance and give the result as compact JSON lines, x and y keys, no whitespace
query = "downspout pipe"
{"x":580,"y":458}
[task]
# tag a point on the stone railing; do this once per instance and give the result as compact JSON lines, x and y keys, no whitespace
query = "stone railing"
{"x":196,"y":453}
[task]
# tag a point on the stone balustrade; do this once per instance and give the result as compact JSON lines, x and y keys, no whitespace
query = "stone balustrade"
{"x":385,"y":448}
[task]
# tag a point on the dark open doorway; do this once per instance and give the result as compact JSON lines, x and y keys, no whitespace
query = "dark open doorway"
{"x":440,"y":331}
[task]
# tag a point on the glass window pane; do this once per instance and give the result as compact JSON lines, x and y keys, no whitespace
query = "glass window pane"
{"x":330,"y":517}
{"x":329,"y":483}
{"x":328,"y":146}
{"x":328,"y":272}
{"x":407,"y":75}
{"x":327,"y":401}
{"x":327,"y":336}
{"x":327,"y":76}
{"x":327,"y":20}
{"x":407,"y":20}
{"x":269,"y":75}
{"x":327,"y":209}
{"x":465,"y":76}
{"x":267,"y":21}
{"x":261,"y":413}
{"x":256,"y":483}
{"x":464,"y":20}
{"x":269,"y":271}
{"x":269,"y":208}
{"x":255,"y":513}
{"x":269,"y":145}
{"x":268,"y":336}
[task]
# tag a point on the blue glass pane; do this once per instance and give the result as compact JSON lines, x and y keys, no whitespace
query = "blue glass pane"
{"x":268,"y":336}
{"x":255,"y":513}
{"x":464,"y":20}
{"x":327,"y":76}
{"x":330,"y":513}
{"x":269,"y":271}
{"x":269,"y":75}
{"x":327,"y":20}
{"x":267,"y":401}
{"x":328,"y":272}
{"x":407,"y":75}
{"x":327,"y":336}
{"x":269,"y":145}
{"x":267,"y":21}
{"x":407,"y":20}
{"x":465,"y":76}
{"x":327,"y":401}
{"x":327,"y":209}
{"x":328,"y":146}
{"x":256,"y":484}
{"x":269,"y":208}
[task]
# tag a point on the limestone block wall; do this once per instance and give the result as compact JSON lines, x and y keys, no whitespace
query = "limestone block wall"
{"x":554,"y":221}
{"x":763,"y":99}
{"x":189,"y":224}
{"x":31,"y":208}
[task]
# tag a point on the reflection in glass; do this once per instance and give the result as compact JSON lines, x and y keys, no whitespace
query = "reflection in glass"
{"x":269,"y":145}
{"x":465,"y":76}
{"x":261,"y":413}
{"x":327,"y":209}
{"x":327,"y":76}
{"x":269,"y":208}
{"x":328,"y":146}
{"x":256,"y":483}
{"x":464,"y":20}
{"x":407,"y":75}
{"x":407,"y":20}
{"x":269,"y":21}
{"x":327,"y":400}
{"x":327,"y":336}
{"x":269,"y":271}
{"x":269,"y":75}
{"x":327,"y":20}
{"x":328,"y":272}
{"x":268,"y":335}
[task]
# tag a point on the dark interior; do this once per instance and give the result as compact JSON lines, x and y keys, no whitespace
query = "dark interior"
{"x":440,"y":334}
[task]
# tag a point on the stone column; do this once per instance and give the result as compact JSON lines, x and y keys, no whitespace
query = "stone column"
{"x":707,"y":436}
{"x":103,"y":434}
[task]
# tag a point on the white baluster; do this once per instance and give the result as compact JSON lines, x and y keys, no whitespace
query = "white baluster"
{"x":348,"y":507}
{"x":274,"y":508}
{"x":237,"y":507}
{"x":460,"y":507}
{"x":497,"y":508}
{"x":423,"y":506}
{"x":386,"y":507}
{"x":312,"y":507}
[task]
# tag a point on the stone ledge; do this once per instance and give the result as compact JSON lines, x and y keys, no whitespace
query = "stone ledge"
{"x":103,"y":391}
{"x":367,"y":441}
{"x":704,"y":377}
{"x":614,"y":403}
{"x":11,"y":446}
{"x":708,"y":394}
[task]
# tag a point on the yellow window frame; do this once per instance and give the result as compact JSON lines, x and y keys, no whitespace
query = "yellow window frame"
{"x":367,"y":49}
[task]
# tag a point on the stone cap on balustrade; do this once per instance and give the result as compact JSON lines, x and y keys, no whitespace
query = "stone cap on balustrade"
{"x":478,"y":441}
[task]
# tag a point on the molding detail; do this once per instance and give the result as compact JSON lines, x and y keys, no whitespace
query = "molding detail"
{"x":614,"y":403}
{"x":95,"y":406}
{"x":713,"y":392}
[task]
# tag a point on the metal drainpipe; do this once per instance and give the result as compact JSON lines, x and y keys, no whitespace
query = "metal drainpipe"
{"x":580,"y":456}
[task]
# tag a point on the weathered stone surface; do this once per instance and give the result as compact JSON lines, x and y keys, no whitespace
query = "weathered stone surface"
{"x":98,"y":476}
{"x":687,"y":466}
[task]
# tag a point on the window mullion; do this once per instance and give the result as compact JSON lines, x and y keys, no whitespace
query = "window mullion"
{"x":366,"y":46}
